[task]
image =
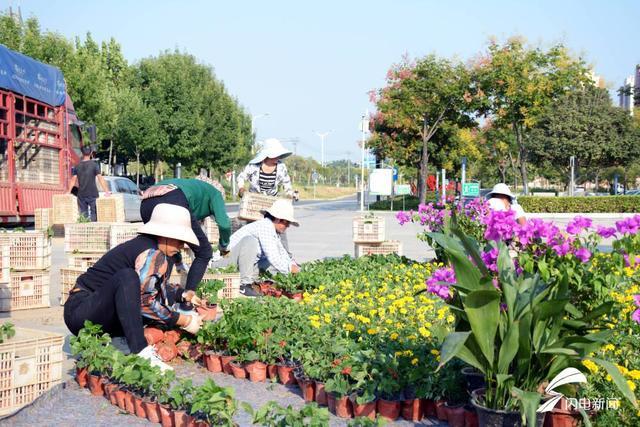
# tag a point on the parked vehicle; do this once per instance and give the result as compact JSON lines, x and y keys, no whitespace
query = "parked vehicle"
{"x":40,"y":136}
{"x":130,"y":194}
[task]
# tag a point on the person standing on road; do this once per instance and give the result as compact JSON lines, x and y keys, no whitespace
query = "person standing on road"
{"x":266,"y":172}
{"x":501,"y":199}
{"x":258,"y":246}
{"x":202,"y":200}
{"x":84,"y":176}
{"x":128,"y":286}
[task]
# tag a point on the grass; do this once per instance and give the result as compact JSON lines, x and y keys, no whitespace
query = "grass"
{"x":324,"y":192}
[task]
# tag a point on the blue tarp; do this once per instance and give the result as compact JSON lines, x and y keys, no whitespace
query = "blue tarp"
{"x":26,"y":76}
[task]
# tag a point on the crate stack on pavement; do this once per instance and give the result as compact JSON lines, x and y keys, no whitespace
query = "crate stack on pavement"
{"x":85,"y":243}
{"x":369,"y":237}
{"x":25,"y":262}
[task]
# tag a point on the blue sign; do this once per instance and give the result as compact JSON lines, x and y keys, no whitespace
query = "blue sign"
{"x":26,"y":76}
{"x":395,"y":174}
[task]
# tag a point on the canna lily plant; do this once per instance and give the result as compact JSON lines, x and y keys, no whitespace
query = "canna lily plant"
{"x":517,"y":329}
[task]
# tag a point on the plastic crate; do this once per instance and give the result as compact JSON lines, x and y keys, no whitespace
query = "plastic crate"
{"x":252,"y":204}
{"x":30,"y":250}
{"x":110,"y":209}
{"x":84,"y":261}
{"x":231,"y":281}
{"x":121,"y":233}
{"x":210,"y":228}
{"x":65,"y":209}
{"x":43,"y":218}
{"x":68,"y":277}
{"x":385,"y":248}
{"x":30,"y":364}
{"x":92,"y":237}
{"x":368,"y":229}
{"x":4,"y":264}
{"x":25,"y":290}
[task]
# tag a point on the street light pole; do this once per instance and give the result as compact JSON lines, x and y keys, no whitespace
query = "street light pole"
{"x":363,"y":124}
{"x":322,"y":137}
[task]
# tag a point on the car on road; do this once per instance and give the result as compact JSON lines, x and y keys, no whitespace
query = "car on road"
{"x":130,"y":194}
{"x":633,"y":192}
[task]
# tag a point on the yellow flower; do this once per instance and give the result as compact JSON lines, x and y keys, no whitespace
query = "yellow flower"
{"x":424,"y":332}
{"x":609,"y":347}
{"x":372,"y":331}
{"x":635,"y":374}
{"x":393,"y":336}
{"x":435,"y":352}
{"x":590,"y":366}
{"x":631,"y":385}
{"x":450,"y":319}
{"x":349,"y":327}
{"x":414,"y":361}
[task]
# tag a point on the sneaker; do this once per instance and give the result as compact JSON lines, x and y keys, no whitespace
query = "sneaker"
{"x":149,"y":353}
{"x":249,"y":291}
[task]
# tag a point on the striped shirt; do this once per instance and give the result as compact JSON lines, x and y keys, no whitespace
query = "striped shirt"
{"x":252,"y":171}
{"x":267,"y":183}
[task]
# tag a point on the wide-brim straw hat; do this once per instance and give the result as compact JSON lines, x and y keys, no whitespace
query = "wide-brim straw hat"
{"x":171,"y":221}
{"x":282,"y":209}
{"x":272,"y":149}
{"x":503,"y":189}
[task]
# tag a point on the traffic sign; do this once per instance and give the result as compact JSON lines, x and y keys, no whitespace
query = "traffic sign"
{"x":395,"y":174}
{"x":471,"y":189}
{"x":402,"y":189}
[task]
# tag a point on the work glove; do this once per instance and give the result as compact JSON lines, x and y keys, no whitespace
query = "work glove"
{"x":194,"y":325}
{"x":191,"y":297}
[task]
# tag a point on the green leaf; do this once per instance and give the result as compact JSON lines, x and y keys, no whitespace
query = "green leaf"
{"x":618,"y":379}
{"x":451,"y":346}
{"x":483,"y":311}
{"x":509,"y":348}
{"x":529,"y":401}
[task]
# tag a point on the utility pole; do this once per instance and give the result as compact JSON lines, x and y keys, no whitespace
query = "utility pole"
{"x":364,"y":124}
{"x":348,"y":167}
{"x":322,"y":136}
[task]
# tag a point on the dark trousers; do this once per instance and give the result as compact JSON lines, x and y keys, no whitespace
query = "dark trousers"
{"x":87,"y":207}
{"x":115,"y":306}
{"x":202,"y":253}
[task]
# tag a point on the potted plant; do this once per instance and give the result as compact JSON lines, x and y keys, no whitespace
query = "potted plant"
{"x":455,"y":394}
{"x":85,"y":346}
{"x":157,"y":393}
{"x":214,"y":404}
{"x":180,"y":399}
{"x":272,"y":414}
{"x":338,"y":390}
{"x":518,"y":330}
{"x":208,"y":292}
{"x":212,"y":337}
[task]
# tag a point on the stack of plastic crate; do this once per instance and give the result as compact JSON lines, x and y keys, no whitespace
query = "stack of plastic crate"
{"x":65,"y":209}
{"x":43,"y":218}
{"x":27,"y":256}
{"x":30,"y":364}
{"x":84,"y":243}
{"x":369,"y":237}
{"x":110,"y":209}
{"x":122,"y":232}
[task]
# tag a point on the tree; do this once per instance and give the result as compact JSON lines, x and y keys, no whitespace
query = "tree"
{"x":520,"y":82}
{"x":418,"y":102}
{"x":584,"y":123}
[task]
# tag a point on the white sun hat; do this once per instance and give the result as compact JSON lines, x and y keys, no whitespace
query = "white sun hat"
{"x":171,"y":221}
{"x":271,"y":148}
{"x":503,"y":189}
{"x":282,"y":209}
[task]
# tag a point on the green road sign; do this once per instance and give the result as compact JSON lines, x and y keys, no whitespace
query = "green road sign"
{"x":471,"y":189}
{"x":402,"y":189}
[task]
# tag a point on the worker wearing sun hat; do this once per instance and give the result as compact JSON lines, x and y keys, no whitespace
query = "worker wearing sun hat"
{"x":258,"y":246}
{"x":501,"y":199}
{"x":127,"y":287}
{"x":266,"y":172}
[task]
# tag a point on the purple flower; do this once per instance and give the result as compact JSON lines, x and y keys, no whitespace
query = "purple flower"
{"x":536,"y":229}
{"x":578,"y":224}
{"x":501,"y":225}
{"x":636,"y":316}
{"x":605,"y":232}
{"x":490,"y":259}
{"x":636,"y":299}
{"x":562,"y":248}
{"x":403,"y":217}
{"x":629,"y":225}
{"x":439,"y":282}
{"x":583,"y":254}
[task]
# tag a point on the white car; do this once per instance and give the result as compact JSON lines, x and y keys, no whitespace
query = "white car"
{"x":130,"y":195}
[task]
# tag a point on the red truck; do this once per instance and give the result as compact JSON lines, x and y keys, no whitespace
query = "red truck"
{"x":40,"y":136}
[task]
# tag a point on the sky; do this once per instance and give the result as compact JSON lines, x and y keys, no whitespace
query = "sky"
{"x":310,"y":65}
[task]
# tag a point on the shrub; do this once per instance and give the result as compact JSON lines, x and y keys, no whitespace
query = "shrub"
{"x":615,"y":204}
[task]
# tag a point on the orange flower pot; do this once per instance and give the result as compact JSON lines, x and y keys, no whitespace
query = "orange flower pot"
{"x":441,"y":412}
{"x":272,"y":371}
{"x":412,"y":410}
{"x":455,"y":415}
{"x":181,"y":418}
{"x":308,"y":388}
{"x":389,"y":409}
{"x":96,"y":385}
{"x":321,"y":395}
{"x":139,"y":407}
{"x":365,"y":410}
{"x":82,"y":377}
{"x":226,"y":364}
{"x":238,"y":370}
{"x":212,"y":362}
{"x":129,"y":403}
{"x":152,"y":410}
{"x":257,"y":371}
{"x":208,"y":313}
{"x":343,"y":407}
{"x":166,"y":416}
{"x":285,"y":375}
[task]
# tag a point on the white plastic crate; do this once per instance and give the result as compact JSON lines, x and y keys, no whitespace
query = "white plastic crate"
{"x":211,"y":230}
{"x":385,"y":248}
{"x":368,"y":229}
{"x":25,"y":290}
{"x":121,"y":233}
{"x":65,"y":209}
{"x":91,"y":237}
{"x":43,"y":218}
{"x":110,"y":209}
{"x":83,"y":261}
{"x":252,"y":204}
{"x":30,"y":364}
{"x":68,"y":277}
{"x":29,"y":250}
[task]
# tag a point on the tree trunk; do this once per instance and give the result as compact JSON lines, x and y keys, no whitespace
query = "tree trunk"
{"x":156,"y":169}
{"x":522,"y":154}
